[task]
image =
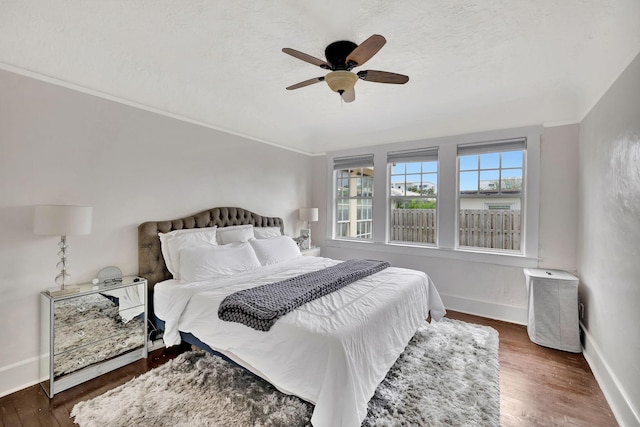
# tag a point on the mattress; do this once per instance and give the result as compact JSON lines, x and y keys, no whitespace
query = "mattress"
{"x":332,"y":352}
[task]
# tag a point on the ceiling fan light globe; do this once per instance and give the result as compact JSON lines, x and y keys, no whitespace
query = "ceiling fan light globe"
{"x":341,"y":81}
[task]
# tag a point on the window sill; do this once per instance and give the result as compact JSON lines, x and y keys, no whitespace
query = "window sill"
{"x":511,"y":260}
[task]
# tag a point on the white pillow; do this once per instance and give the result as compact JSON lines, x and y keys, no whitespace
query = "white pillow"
{"x":266,"y":232}
{"x":234,"y":234}
{"x":207,"y":262}
{"x":173,"y":241}
{"x":275,"y":250}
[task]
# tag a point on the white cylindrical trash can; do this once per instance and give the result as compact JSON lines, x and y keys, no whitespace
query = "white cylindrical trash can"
{"x":552,"y":311}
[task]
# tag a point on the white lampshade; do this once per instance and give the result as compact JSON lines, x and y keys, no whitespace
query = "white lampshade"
{"x":308,"y":214}
{"x":59,"y":220}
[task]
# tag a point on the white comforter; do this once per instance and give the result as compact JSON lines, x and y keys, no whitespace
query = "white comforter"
{"x":333,"y":351}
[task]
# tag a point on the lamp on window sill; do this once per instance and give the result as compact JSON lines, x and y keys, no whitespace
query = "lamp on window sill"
{"x":308,"y":215}
{"x":63,"y":221}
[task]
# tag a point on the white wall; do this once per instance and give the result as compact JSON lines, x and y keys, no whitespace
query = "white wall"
{"x":58,"y":146}
{"x":558,"y":198}
{"x":609,"y":242}
{"x":488,"y":288}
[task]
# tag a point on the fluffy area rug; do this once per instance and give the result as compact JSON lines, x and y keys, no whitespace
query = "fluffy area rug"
{"x":447,"y":375}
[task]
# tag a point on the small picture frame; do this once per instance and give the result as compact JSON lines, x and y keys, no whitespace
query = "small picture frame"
{"x":305,"y":236}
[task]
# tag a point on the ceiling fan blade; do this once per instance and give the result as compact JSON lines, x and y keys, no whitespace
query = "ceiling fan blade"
{"x":306,"y":83}
{"x":307,"y":58}
{"x":349,"y":95}
{"x":366,"y":50}
{"x":383,"y":77}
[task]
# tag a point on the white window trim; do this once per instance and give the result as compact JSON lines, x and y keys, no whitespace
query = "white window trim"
{"x":493,"y":147}
{"x":432,"y":152}
{"x":447,"y":199}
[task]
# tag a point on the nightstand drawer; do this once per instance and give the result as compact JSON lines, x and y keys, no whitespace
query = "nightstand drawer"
{"x":96,"y":352}
{"x":69,"y":312}
{"x":95,"y":330}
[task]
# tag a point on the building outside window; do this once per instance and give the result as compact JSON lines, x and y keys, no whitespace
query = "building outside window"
{"x":490,"y":195}
{"x":354,"y":197}
{"x":413,"y":193}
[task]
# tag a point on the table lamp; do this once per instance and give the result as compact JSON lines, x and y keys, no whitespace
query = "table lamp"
{"x":308,"y":215}
{"x":63,"y":221}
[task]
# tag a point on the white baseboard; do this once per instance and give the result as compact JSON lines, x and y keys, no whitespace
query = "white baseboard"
{"x":507,"y":313}
{"x":12,"y":377}
{"x":621,"y":405}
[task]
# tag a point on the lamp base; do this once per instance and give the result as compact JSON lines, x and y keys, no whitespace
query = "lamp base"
{"x":57,"y":292}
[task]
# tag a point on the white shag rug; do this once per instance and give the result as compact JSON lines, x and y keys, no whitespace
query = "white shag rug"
{"x":447,"y":375}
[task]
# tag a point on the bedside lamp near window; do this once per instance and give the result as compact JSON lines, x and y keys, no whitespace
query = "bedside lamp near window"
{"x":308,"y":215}
{"x":63,"y":221}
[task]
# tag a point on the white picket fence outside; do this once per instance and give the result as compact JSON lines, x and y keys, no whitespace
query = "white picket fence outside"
{"x":484,"y":228}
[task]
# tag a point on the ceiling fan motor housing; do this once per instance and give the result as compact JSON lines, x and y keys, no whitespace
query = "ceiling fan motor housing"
{"x":337,"y":52}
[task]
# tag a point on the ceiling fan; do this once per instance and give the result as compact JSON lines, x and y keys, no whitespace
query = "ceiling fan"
{"x":342,"y":56}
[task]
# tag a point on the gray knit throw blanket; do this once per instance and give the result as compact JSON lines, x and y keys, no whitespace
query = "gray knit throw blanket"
{"x":260,"y":307}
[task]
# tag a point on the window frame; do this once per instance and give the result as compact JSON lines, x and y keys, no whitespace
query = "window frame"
{"x":423,"y":155}
{"x":447,"y":247}
{"x":492,"y":147}
{"x":351,"y":163}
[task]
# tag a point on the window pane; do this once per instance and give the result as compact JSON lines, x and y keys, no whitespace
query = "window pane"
{"x":397,"y":179}
{"x":413,"y":167}
{"x":431,"y":183}
{"x":367,"y":190}
{"x":490,"y":161}
{"x":468,"y":162}
{"x":413,"y":184}
{"x":397,"y":168}
{"x":342,"y":189}
{"x":512,"y":159}
{"x":430,"y":167}
{"x":512,"y":173}
{"x":490,"y":180}
{"x":468,"y":181}
{"x":511,"y":180}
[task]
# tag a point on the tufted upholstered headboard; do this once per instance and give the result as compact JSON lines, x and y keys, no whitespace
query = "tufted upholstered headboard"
{"x":151,"y":264}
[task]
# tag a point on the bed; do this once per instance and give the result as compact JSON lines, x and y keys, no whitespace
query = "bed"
{"x":332,"y":351}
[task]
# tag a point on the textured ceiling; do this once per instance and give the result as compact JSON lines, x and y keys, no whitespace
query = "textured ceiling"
{"x":474,"y":65}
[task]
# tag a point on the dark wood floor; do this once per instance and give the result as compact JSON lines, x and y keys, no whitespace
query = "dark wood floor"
{"x":538,"y":386}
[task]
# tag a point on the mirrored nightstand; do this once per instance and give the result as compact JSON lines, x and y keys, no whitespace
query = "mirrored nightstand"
{"x":96,"y":330}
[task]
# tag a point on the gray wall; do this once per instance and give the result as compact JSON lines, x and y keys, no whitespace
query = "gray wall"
{"x":609,"y":242}
{"x":58,"y":146}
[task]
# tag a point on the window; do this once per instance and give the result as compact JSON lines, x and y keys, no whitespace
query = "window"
{"x":354,"y":197}
{"x":472,"y":197}
{"x":490,"y":196}
{"x":413,"y":192}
